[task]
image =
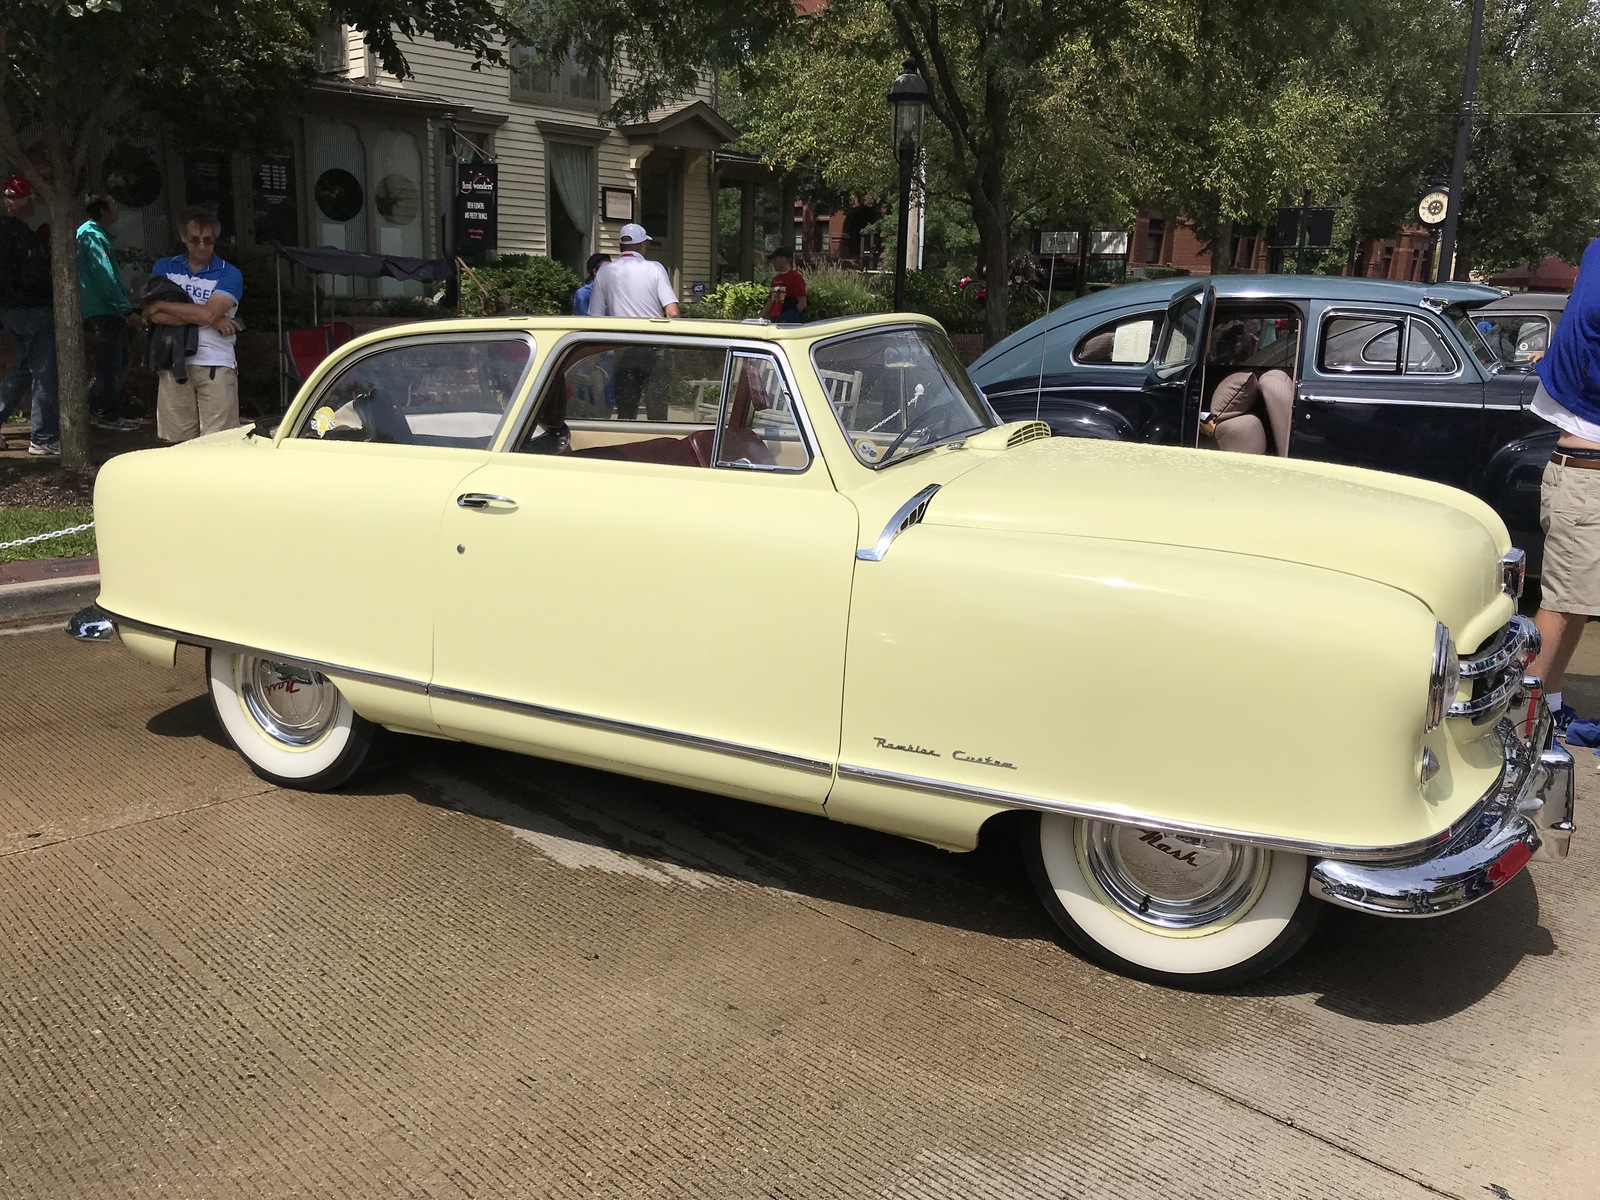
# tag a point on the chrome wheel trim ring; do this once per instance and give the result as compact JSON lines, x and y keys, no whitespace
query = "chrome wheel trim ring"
{"x":294,"y":706}
{"x":1172,"y":882}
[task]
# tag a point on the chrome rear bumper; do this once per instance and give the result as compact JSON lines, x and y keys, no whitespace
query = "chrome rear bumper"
{"x":1528,"y":816}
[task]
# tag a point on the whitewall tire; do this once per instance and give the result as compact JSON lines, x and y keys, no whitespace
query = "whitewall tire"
{"x":292,"y":725}
{"x":1186,"y":912}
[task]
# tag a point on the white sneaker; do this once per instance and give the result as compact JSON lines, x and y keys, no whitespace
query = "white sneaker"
{"x":45,"y":449}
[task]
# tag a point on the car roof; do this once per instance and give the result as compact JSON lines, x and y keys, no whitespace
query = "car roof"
{"x":1158,"y":293}
{"x":1541,"y":302}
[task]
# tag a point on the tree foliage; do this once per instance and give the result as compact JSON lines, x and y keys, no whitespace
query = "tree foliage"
{"x":217,"y":71}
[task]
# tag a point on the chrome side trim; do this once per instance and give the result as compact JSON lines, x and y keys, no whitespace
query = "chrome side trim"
{"x":907,"y":515}
{"x":774,"y":758}
{"x":327,"y":668}
{"x":771,"y":758}
{"x":1102,"y":812}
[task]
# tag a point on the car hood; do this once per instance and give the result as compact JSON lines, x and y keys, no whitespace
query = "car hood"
{"x":1436,"y":543}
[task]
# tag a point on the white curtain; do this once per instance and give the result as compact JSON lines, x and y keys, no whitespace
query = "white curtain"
{"x":572,"y":170}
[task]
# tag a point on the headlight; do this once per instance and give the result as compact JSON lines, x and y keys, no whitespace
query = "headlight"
{"x":1446,"y":677}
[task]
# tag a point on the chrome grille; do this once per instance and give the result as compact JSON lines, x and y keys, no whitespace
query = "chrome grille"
{"x":1495,"y":670}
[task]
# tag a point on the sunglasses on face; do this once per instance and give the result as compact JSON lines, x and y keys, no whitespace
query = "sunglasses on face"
{"x":195,"y":240}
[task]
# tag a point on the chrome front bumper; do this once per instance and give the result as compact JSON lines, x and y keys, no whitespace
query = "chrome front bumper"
{"x":1528,"y":816}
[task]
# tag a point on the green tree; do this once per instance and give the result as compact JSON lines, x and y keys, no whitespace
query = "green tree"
{"x":69,"y":67}
{"x":1533,"y":173}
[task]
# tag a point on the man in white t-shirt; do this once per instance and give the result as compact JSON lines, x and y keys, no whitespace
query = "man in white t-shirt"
{"x":633,"y":286}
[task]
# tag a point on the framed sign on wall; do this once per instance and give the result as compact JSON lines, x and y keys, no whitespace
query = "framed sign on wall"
{"x":616,"y":204}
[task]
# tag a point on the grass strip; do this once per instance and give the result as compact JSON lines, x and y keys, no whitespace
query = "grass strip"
{"x":24,"y":522}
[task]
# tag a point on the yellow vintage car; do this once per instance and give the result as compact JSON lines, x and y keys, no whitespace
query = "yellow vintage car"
{"x":808,"y":566}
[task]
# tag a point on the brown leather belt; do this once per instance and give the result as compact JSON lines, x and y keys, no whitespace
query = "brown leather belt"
{"x":1569,"y":460}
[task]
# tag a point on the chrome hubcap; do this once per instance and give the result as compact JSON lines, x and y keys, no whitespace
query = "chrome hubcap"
{"x":293,"y":705}
{"x":1170,"y":880}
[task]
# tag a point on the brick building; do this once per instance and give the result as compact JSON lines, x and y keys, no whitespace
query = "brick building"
{"x":1159,"y":240}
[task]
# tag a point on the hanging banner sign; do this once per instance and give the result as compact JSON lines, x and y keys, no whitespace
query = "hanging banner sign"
{"x":476,"y":211}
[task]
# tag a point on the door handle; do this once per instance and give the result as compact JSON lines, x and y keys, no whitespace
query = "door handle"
{"x":484,"y":500}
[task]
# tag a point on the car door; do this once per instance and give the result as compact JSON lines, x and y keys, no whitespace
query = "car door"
{"x":1176,"y":379}
{"x":335,"y":530}
{"x":1389,"y":389}
{"x":671,"y":593}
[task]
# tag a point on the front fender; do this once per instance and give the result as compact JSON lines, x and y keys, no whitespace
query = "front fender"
{"x":1148,"y":683}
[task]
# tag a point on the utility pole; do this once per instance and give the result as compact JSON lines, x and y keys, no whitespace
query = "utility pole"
{"x":1458,"y":165}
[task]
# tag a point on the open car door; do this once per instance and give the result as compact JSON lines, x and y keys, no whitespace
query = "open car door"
{"x":1178,"y":373}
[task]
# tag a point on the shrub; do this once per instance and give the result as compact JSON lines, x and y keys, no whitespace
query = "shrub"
{"x":532,"y":284}
{"x":732,"y":301}
{"x":834,"y":292}
{"x":936,"y":293}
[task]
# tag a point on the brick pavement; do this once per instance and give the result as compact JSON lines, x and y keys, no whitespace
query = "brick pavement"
{"x":472,"y":974}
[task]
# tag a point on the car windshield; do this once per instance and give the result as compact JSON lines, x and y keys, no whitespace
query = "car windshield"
{"x":1466,"y":324}
{"x":895,"y":392}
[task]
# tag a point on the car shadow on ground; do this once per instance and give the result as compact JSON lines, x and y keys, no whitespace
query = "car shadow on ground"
{"x":1412,"y":972}
{"x":1365,"y":968}
{"x":193,"y":718}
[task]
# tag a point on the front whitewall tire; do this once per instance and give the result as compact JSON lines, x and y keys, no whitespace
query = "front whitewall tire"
{"x":309,"y":739}
{"x":1252,"y":921}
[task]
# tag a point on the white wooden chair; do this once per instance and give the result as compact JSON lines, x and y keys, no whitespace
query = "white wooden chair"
{"x":843,"y":389}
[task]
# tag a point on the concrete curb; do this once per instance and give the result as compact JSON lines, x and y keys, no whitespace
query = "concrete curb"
{"x":47,"y":597}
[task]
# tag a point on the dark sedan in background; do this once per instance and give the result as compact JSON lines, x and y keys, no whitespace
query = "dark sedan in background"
{"x":1370,"y":373}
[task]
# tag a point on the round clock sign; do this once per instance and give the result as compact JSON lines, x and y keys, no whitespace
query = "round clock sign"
{"x":1433,"y":207}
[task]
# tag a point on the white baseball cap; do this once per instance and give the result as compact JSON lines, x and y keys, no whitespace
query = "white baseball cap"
{"x":632,"y":233}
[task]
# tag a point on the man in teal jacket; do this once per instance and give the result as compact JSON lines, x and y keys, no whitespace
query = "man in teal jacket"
{"x":106,"y":312}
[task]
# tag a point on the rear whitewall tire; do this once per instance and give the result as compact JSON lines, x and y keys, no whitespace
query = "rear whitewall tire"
{"x":311,"y":740}
{"x":1258,"y":914}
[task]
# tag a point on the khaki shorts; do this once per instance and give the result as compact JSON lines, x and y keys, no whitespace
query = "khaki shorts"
{"x":208,"y":402}
{"x":1569,"y":511}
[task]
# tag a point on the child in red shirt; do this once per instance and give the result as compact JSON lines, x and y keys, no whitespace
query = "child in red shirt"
{"x":786,"y":301}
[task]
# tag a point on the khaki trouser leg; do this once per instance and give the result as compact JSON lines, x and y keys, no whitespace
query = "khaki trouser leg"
{"x":177,"y":413}
{"x":217,"y":398}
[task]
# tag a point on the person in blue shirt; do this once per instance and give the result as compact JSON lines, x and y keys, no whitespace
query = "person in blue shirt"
{"x":1569,"y":496}
{"x":580,"y":298}
{"x":208,"y":401}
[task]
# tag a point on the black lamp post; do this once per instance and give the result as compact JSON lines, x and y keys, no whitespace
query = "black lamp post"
{"x":907,"y":98}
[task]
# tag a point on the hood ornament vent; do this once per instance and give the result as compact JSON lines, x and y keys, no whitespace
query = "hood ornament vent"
{"x":1013,"y":433}
{"x":1027,"y":431}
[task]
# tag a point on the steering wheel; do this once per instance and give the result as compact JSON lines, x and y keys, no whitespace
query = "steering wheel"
{"x":934,"y":422}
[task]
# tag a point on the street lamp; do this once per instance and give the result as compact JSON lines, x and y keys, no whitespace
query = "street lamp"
{"x":907,"y":98}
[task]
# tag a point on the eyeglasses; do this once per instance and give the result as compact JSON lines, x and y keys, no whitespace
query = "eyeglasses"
{"x":210,"y":240}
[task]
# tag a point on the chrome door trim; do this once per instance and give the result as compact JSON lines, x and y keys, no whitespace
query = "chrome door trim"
{"x":1104,"y":812}
{"x":907,"y":515}
{"x":1313,"y":398}
{"x":691,"y":741}
{"x":416,"y":687}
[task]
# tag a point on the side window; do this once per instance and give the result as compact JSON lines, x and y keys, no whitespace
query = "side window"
{"x":759,"y":429}
{"x":451,"y":391}
{"x":1127,"y":341}
{"x":1260,"y":338}
{"x":1361,"y":345}
{"x":1515,"y":337}
{"x":634,"y":401}
{"x":1426,"y":351}
{"x":1181,"y":333}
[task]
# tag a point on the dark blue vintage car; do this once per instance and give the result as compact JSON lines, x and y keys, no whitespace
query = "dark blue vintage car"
{"x":1370,"y":373}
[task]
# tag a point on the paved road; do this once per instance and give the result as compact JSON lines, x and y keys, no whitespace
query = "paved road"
{"x":473,"y":974}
